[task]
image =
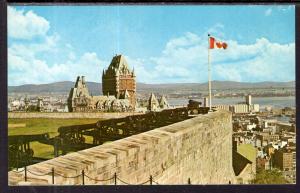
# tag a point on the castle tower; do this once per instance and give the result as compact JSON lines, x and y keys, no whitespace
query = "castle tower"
{"x":153,"y":104}
{"x":119,"y":80}
{"x":79,"y":97}
{"x":163,"y":103}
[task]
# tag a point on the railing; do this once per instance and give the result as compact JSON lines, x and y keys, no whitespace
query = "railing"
{"x":83,"y":176}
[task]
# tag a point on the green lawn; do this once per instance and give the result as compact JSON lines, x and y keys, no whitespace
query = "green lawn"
{"x":43,"y":125}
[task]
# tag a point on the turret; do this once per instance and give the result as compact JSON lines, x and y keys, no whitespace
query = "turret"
{"x":83,"y":80}
{"x":77,"y":81}
{"x":133,"y":74}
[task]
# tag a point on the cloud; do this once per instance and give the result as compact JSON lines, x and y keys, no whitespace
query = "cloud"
{"x":25,"y":65}
{"x":27,"y":61}
{"x":28,"y":70}
{"x":31,"y":70}
{"x":284,"y":8}
{"x":261,"y":61}
{"x":71,"y":56}
{"x":25,"y":25}
{"x":231,"y":74}
{"x":188,"y":39}
{"x":268,"y":12}
{"x":184,"y":59}
{"x":217,"y":30}
{"x":88,"y":64}
{"x":49,"y":44}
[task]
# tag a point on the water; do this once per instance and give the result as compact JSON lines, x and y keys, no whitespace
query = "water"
{"x":274,"y":102}
{"x":283,"y":119}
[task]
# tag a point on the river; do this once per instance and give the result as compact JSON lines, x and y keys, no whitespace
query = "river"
{"x":275,"y":102}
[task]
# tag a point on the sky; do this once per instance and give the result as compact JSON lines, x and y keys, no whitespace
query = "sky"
{"x":164,"y":44}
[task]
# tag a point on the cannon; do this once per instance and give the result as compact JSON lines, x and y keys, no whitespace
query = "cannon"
{"x":194,"y":104}
{"x":19,"y":151}
{"x":78,"y":137}
{"x":74,"y":137}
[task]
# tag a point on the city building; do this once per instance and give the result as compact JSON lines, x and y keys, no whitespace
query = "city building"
{"x":118,"y":87}
{"x":285,"y":159}
{"x":79,"y":97}
{"x":239,"y":108}
{"x":118,"y":80}
{"x":282,"y":126}
{"x":153,"y":104}
{"x":81,"y":101}
{"x":266,"y":138}
{"x":242,"y":168}
{"x":254,"y":108}
{"x":248,"y":99}
{"x":223,"y":107}
{"x":163,"y":103}
{"x":266,"y":123}
{"x":263,"y":163}
{"x":40,"y":105}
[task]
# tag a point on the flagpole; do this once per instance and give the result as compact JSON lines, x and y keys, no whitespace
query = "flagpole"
{"x":209,"y":76}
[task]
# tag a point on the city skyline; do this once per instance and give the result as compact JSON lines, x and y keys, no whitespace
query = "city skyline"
{"x":50,"y":46}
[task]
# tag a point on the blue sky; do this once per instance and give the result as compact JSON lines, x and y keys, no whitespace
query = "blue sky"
{"x":165,"y":44}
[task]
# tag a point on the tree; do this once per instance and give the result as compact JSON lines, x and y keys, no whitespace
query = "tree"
{"x":273,"y":176}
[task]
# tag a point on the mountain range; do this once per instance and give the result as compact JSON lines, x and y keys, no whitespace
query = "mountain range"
{"x":96,"y":88}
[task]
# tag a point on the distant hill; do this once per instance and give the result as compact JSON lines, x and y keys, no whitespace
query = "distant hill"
{"x":96,"y":88}
{"x":56,"y":87}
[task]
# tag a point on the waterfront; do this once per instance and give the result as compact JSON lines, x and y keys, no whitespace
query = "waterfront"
{"x":275,"y":102}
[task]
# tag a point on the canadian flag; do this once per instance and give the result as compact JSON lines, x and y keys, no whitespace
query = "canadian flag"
{"x":213,"y":43}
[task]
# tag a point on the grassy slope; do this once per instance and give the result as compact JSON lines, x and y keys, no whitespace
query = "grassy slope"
{"x":43,"y":125}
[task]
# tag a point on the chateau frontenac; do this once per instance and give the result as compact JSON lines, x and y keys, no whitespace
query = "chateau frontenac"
{"x":118,"y":87}
{"x":118,"y":80}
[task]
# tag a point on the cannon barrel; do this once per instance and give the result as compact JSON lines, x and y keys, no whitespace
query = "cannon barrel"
{"x":76,"y":128}
{"x":15,"y":139}
{"x":111,"y":121}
